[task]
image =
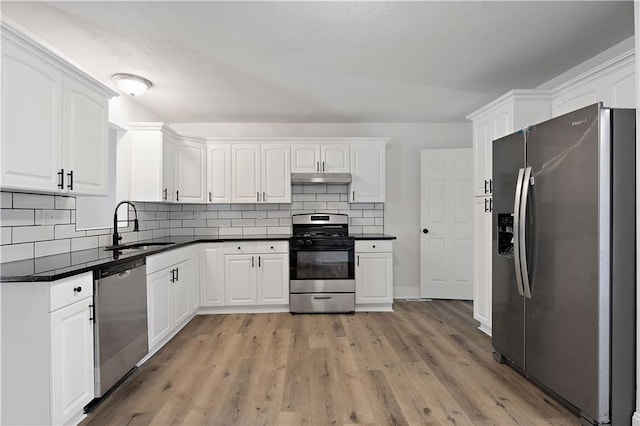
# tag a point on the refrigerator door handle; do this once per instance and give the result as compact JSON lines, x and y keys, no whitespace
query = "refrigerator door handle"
{"x":516,"y":232}
{"x":521,"y":230}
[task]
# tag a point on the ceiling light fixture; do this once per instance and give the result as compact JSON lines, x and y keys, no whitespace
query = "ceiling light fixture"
{"x":132,"y":84}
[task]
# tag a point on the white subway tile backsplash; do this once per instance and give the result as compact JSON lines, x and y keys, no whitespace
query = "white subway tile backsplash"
{"x":229,"y":215}
{"x":6,"y":202}
{"x":12,"y":252}
{"x":68,"y":231}
{"x":65,"y":203}
{"x":12,"y":217}
{"x":32,"y":201}
{"x":44,"y":224}
{"x":26,"y":234}
{"x":5,"y":235}
{"x":48,"y":248}
{"x":52,"y":217}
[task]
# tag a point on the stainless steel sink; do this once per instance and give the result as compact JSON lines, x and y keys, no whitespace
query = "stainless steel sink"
{"x":138,"y":246}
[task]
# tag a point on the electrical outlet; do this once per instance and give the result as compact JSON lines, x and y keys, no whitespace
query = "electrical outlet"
{"x":47,"y":217}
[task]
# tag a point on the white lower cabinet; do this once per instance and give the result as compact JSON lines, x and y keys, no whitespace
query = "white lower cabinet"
{"x":170,"y":294}
{"x":374,"y":273}
{"x":482,"y":262}
{"x":212,"y":275}
{"x":256,"y":273}
{"x":47,"y":350}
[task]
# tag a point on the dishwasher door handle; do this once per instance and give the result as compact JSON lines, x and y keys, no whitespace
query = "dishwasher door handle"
{"x":125,"y":274}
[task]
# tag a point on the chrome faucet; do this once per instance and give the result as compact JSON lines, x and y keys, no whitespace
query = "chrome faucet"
{"x":136,"y":227}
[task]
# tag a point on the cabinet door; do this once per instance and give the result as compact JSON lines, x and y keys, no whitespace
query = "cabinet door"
{"x":182,"y":289}
{"x":482,"y":264}
{"x":577,"y":97}
{"x":190,"y":172}
{"x":85,"y":139}
{"x":219,"y":173}
{"x":245,"y":169}
{"x":368,"y":173}
{"x":212,"y":276}
{"x":620,"y":88}
{"x":159,"y":306}
{"x":72,"y":380}
{"x":31,"y":122}
{"x":276,"y":174}
{"x":374,"y":278}
{"x":481,"y":152}
{"x":273,"y":279}
{"x":167,"y":186}
{"x":501,"y":123}
{"x":240,"y":279}
{"x":335,"y":158}
{"x":305,"y":158}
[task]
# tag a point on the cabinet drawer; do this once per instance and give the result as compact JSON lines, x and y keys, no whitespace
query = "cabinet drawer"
{"x":273,"y":247}
{"x":240,"y":247}
{"x":374,"y":246}
{"x":70,"y":290}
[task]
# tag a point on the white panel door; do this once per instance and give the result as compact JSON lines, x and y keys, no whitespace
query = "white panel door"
{"x":273,"y":279}
{"x":446,"y":221}
{"x":72,"y":378}
{"x":305,"y":158}
{"x":31,"y":122}
{"x":245,"y":169}
{"x":276,"y":174}
{"x":219,"y":173}
{"x":190,"y":172}
{"x":212,"y":275}
{"x":335,"y":158}
{"x":240,"y":279}
{"x":85,"y":139}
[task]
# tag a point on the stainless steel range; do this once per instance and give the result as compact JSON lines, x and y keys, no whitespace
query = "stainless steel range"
{"x":321,"y":264}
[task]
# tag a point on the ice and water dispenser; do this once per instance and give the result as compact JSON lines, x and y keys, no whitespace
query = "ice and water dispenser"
{"x":505,"y":234}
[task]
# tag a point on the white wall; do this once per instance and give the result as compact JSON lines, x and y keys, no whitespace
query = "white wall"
{"x":402,"y":208}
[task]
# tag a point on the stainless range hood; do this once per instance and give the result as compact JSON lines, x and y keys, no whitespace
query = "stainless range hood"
{"x":320,"y":177}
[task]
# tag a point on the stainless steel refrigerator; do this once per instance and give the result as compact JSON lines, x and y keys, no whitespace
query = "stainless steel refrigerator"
{"x":564,"y":259}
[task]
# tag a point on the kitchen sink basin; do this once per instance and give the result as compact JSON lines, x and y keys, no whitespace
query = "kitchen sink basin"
{"x":138,"y":246}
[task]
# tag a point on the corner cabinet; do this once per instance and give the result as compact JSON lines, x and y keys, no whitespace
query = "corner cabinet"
{"x":166,"y":166}
{"x":374,"y":274}
{"x":368,"y":172}
{"x":47,"y":350}
{"x":171,"y":291}
{"x":51,"y":108}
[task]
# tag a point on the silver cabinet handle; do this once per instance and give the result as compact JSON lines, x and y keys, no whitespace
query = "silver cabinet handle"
{"x":353,"y":196}
{"x":252,"y":262}
{"x":317,"y":166}
{"x":210,"y":196}
{"x":264,"y":197}
{"x":258,"y":196}
{"x":322,"y":297}
{"x":358,"y":260}
{"x":323,"y":166}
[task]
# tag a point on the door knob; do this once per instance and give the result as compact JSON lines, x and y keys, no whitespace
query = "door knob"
{"x":425,"y":231}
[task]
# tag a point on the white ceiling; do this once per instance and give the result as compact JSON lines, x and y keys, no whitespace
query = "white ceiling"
{"x":326,"y":61}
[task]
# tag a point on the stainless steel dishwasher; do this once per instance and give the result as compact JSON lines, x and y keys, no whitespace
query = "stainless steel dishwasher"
{"x":120,"y":328}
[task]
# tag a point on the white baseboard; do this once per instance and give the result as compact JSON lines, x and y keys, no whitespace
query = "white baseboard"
{"x":406,"y":292}
{"x":635,"y":420}
{"x":374,"y":308}
{"x":486,"y":330}
{"x":264,"y":309}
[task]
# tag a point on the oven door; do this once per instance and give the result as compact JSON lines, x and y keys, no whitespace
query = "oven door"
{"x":318,"y":270}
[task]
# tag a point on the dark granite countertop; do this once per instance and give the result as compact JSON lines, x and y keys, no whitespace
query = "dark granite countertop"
{"x":51,"y":268}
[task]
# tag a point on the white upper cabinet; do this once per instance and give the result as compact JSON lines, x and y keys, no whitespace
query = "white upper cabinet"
{"x":507,"y":114}
{"x":368,"y":173}
{"x":318,"y":158}
{"x":51,"y":109}
{"x":219,"y":173}
{"x":190,"y":172}
{"x":612,"y":83}
{"x":152,"y":162}
{"x":260,"y":173}
{"x":85,"y":135}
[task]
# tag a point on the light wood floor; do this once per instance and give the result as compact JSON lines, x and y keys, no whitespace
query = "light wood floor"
{"x":425,"y":363}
